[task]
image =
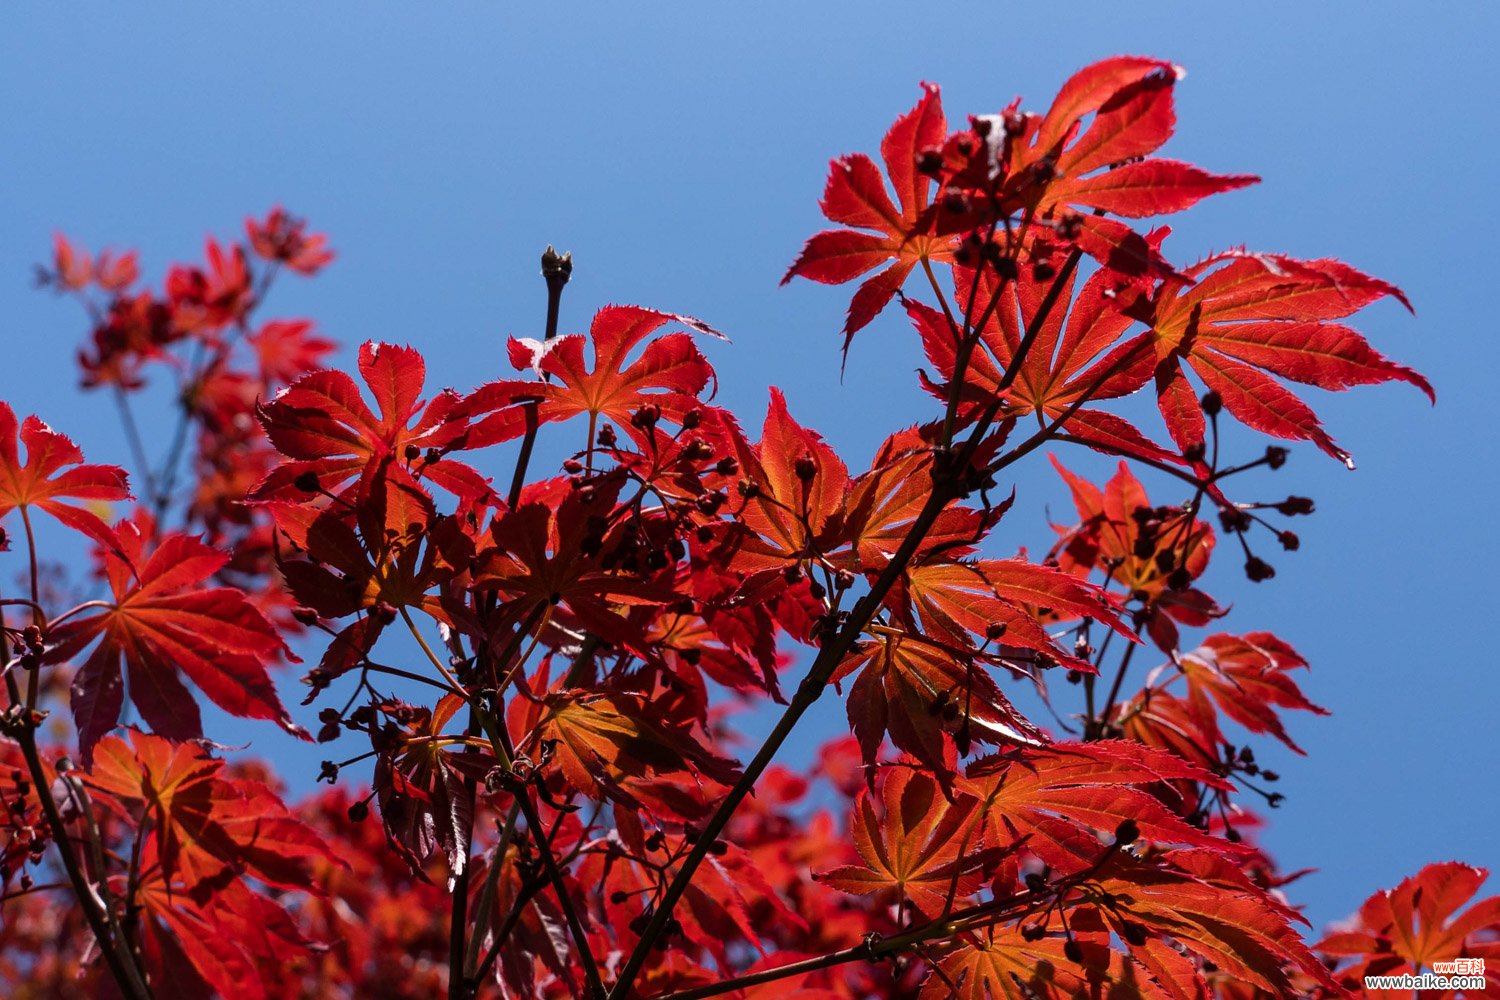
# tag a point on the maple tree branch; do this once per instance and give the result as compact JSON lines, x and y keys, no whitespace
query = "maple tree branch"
{"x":431,"y":656}
{"x":872,"y":950}
{"x":167,"y":481}
{"x":1049,"y":432}
{"x":523,"y":899}
{"x":133,"y":438}
{"x":538,"y":833}
{"x":875,"y":948}
{"x":382,"y":668}
{"x":44,"y":887}
{"x":946,"y":487}
{"x":33,"y":675}
{"x":556,"y":270}
{"x":487,"y":895}
{"x":1114,"y":689}
{"x":121,"y":966}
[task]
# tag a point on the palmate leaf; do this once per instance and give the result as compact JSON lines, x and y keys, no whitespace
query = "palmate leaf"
{"x":883,"y":503}
{"x":1087,"y":152}
{"x":421,"y":791}
{"x":801,"y":486}
{"x":1092,"y":788}
{"x":547,"y":553}
{"x":600,"y":739}
{"x":1205,"y":903}
{"x":389,"y":554}
{"x":1417,"y":924}
{"x":1246,"y":319}
{"x":1078,"y":356}
{"x":856,"y":196}
{"x":1101,"y":167}
{"x":1130,"y":99}
{"x":917,"y":843}
{"x":1110,"y":538}
{"x":233,"y":942}
{"x":1247,"y":678}
{"x":203,"y":822}
{"x":670,"y":373}
{"x":954,"y":600}
{"x":922,"y":693}
{"x":322,"y":423}
{"x":162,"y":621}
{"x":43,"y":481}
{"x":1000,"y":964}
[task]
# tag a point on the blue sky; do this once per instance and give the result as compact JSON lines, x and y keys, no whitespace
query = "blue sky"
{"x":679,"y":149}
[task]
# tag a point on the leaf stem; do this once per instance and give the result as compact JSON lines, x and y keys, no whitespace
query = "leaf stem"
{"x":133,"y":438}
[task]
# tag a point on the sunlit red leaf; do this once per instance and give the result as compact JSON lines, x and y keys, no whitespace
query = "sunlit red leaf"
{"x":856,"y":196}
{"x":43,"y":481}
{"x":915,"y":843}
{"x":203,"y":821}
{"x":1093,"y":787}
{"x":162,"y":622}
{"x":323,"y":425}
{"x":598,"y":739}
{"x":1417,"y":925}
{"x":670,"y":374}
{"x":1000,"y":964}
{"x":1250,"y":318}
{"x":922,"y":693}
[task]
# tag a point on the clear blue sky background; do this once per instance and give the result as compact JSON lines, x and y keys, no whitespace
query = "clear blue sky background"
{"x":679,"y":149}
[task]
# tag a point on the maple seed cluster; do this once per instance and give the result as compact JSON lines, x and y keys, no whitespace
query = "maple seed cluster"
{"x":539,"y":673}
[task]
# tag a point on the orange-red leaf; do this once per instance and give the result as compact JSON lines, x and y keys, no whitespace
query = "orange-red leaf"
{"x":203,"y":822}
{"x":670,"y":374}
{"x":917,"y":843}
{"x":322,"y":423}
{"x":1417,"y":925}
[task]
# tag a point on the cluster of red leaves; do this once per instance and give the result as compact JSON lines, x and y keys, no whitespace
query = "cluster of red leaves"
{"x":541,"y":674}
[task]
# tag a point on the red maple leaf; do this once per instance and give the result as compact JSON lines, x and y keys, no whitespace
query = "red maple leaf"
{"x":1247,"y":677}
{"x":856,"y":196}
{"x":1000,"y":601}
{"x":669,"y":375}
{"x":1077,"y":356}
{"x":791,"y":513}
{"x":42,"y":482}
{"x":921,"y":693}
{"x":284,"y":239}
{"x":1047,"y":795}
{"x":204,"y":822}
{"x":922,"y":846}
{"x":884,"y":501}
{"x":1411,"y":928}
{"x":999,"y":963}
{"x":323,"y":425}
{"x":1151,"y":553}
{"x":1103,"y":166}
{"x":287,"y":348}
{"x":420,"y":786}
{"x":1238,"y":319}
{"x":162,"y":622}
